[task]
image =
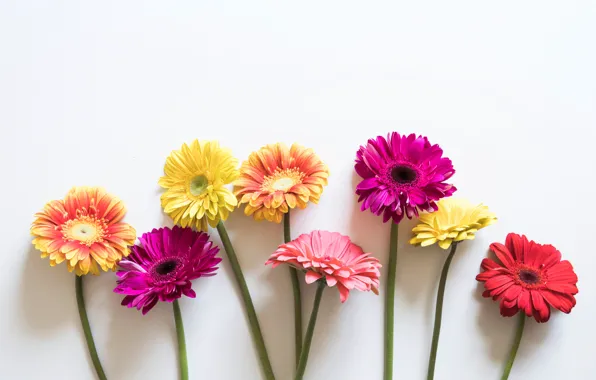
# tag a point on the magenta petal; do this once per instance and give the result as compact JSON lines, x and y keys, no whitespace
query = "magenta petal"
{"x":369,"y":183}
{"x":402,"y":175}
{"x":160,"y":269}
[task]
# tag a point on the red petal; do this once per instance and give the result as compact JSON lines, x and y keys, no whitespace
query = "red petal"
{"x":489,"y":264}
{"x":508,"y":311}
{"x":544,"y":256}
{"x":516,"y":245}
{"x":497,"y":293}
{"x":541,"y":309}
{"x":562,"y":272}
{"x":503,"y":254}
{"x":562,"y":287}
{"x":498,"y":281}
{"x":562,"y":302}
{"x":488,"y":274}
{"x":524,"y":303}
{"x":512,"y":293}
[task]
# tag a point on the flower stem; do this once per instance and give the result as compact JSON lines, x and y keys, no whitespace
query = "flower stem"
{"x":87,"y":329}
{"x":181,"y":342}
{"x":390,"y":303}
{"x":255,"y":328}
{"x":439,"y":314}
{"x":297,"y":296}
{"x":310,"y":330}
{"x":518,"y":337}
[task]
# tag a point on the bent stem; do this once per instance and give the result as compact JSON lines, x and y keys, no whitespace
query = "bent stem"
{"x":516,"y":342}
{"x":390,"y":302}
{"x":310,"y":330}
{"x":87,"y":329}
{"x":439,"y":314}
{"x":182,"y":358}
{"x":297,"y":296}
{"x":253,"y":321}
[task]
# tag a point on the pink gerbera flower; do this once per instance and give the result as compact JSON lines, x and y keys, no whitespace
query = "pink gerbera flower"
{"x":332,"y":257}
{"x":401,"y":175}
{"x":162,"y":266}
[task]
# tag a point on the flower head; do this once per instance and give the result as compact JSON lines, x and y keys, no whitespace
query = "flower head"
{"x":456,"y":220}
{"x":162,"y":266}
{"x":276,"y":179}
{"x":530,"y":277}
{"x":195,"y":180}
{"x":332,"y":257}
{"x":401,"y":175}
{"x":84,"y":230}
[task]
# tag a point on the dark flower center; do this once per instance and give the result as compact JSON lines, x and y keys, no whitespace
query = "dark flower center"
{"x":403,"y":174}
{"x":529,"y":277}
{"x":166,"y":267}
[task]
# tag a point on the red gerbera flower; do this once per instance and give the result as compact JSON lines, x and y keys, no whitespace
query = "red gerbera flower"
{"x":531,"y":277}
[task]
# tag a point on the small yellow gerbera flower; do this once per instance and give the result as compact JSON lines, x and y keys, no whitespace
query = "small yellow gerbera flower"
{"x":456,"y":220}
{"x":195,"y":181}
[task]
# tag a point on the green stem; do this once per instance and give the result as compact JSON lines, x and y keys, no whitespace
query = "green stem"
{"x":87,"y":329}
{"x":182,"y":358}
{"x":310,"y":330}
{"x":390,"y":303}
{"x":297,"y":296}
{"x":518,"y":337}
{"x":255,"y":328}
{"x":439,"y":314}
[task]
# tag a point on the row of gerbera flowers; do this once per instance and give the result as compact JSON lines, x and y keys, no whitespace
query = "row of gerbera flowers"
{"x":403,"y":175}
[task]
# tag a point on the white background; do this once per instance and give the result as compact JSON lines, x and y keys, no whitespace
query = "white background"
{"x":99,"y":93}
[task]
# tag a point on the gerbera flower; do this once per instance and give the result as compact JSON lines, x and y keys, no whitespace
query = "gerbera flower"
{"x":276,"y":179}
{"x":84,"y":230}
{"x":195,"y":180}
{"x":332,"y":257}
{"x":162,"y":266}
{"x":456,"y":220}
{"x":401,"y":175}
{"x":530,"y":277}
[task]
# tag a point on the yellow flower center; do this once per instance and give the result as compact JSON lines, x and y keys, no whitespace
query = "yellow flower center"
{"x":282,"y":180}
{"x":85,"y":229}
{"x":198,"y":185}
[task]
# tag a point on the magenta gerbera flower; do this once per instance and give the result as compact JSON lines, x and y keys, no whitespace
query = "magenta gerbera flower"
{"x":401,"y":175}
{"x":162,"y":266}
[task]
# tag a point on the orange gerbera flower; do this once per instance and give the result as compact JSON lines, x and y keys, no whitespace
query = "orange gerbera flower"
{"x":276,"y":179}
{"x":84,"y":229}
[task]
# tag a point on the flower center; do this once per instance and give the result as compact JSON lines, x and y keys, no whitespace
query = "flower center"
{"x":166,"y":267}
{"x":283,"y":184}
{"x":403,"y":174}
{"x":282,"y":180}
{"x":198,"y":185}
{"x":529,"y":277}
{"x":85,"y":229}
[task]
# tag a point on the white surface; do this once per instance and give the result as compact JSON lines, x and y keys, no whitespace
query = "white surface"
{"x":100,"y":93}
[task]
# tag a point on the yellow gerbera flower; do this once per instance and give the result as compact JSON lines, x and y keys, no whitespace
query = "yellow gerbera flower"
{"x":276,"y":179}
{"x":456,"y":220}
{"x":195,"y":181}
